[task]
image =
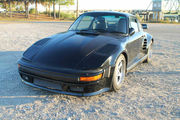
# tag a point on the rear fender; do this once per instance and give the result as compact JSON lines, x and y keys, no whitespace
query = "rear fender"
{"x":149,"y":39}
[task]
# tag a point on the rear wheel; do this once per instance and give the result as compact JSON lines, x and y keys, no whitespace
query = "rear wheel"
{"x":119,"y":73}
{"x":149,"y":54}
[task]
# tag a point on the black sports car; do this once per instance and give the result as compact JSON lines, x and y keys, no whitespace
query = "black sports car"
{"x":92,"y":57}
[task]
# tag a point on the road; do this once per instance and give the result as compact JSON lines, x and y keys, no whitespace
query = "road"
{"x":150,"y":91}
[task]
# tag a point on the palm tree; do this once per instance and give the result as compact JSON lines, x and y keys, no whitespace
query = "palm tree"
{"x":59,"y":9}
{"x":77,"y":9}
{"x":36,"y":8}
{"x":45,"y":3}
{"x":54,"y":9}
{"x":49,"y":8}
{"x":10,"y":8}
{"x":26,"y":3}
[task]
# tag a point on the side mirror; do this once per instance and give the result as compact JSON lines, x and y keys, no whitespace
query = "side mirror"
{"x":144,"y":26}
{"x":131,"y":31}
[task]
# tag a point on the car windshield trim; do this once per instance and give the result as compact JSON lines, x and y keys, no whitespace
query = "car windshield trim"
{"x":117,"y":32}
{"x":111,"y":24}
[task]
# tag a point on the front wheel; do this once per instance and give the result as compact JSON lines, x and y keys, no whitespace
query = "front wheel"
{"x":119,"y":73}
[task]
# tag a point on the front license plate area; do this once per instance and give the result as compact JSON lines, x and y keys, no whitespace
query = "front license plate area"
{"x":47,"y":84}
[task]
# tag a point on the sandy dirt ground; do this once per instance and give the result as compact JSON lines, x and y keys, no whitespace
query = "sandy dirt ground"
{"x":150,"y":91}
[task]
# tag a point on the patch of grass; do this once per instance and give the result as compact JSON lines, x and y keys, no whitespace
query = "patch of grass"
{"x":163,"y":21}
{"x":64,"y":15}
{"x":40,"y":17}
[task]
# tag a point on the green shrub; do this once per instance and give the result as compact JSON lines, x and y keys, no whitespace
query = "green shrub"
{"x":167,"y":19}
{"x":70,"y":16}
{"x":162,"y":21}
{"x":32,"y":11}
{"x":63,"y":15}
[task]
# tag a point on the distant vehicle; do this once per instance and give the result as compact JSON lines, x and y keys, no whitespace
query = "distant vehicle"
{"x":92,"y":57}
{"x":2,"y":10}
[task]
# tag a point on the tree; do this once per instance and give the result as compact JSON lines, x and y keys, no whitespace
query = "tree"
{"x":49,"y":1}
{"x":26,"y":3}
{"x":5,"y":5}
{"x":54,"y":9}
{"x":77,"y":9}
{"x":36,"y":8}
{"x":10,"y":5}
{"x":45,"y":3}
{"x":10,"y":8}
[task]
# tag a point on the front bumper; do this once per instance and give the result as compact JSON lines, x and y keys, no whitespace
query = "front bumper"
{"x":67,"y":93}
{"x":63,"y":83}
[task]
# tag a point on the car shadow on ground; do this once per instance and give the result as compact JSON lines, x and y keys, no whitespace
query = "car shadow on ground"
{"x":12,"y":90}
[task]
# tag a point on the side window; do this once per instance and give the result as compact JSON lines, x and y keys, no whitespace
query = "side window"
{"x":134,"y":24}
{"x":85,"y":23}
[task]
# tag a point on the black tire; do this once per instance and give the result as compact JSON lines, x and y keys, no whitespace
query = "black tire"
{"x":149,"y":54}
{"x":117,"y":80}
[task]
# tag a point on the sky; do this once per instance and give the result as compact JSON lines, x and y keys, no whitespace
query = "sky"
{"x":106,"y":5}
{"x":112,"y":4}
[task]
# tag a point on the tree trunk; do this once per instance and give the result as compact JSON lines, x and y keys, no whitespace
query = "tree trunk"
{"x":54,"y":9}
{"x":36,"y":8}
{"x":77,"y":9}
{"x":49,"y":9}
{"x":5,"y":4}
{"x":46,"y":9}
{"x":27,"y":8}
{"x":10,"y":11}
{"x":59,"y":11}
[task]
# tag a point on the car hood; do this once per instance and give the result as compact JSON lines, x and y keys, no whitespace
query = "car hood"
{"x":72,"y":50}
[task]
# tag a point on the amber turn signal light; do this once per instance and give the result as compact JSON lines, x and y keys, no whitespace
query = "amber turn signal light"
{"x":93,"y":78}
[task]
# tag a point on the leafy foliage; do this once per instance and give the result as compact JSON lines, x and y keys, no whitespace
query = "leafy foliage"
{"x":21,"y":5}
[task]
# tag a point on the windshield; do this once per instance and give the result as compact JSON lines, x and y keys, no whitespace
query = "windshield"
{"x":100,"y":23}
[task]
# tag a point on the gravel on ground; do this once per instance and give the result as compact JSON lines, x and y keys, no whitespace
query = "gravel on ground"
{"x":150,"y":91}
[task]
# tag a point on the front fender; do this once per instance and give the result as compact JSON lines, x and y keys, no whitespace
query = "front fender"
{"x":111,"y":60}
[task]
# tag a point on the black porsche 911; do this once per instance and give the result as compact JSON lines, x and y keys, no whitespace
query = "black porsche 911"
{"x":92,"y":57}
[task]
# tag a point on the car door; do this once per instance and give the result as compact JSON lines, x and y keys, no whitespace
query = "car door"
{"x":134,"y":42}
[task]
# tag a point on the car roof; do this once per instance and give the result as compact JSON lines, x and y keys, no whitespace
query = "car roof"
{"x":109,"y":12}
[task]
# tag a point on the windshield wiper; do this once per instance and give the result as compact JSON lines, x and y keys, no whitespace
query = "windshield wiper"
{"x":99,"y":30}
{"x":87,"y":32}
